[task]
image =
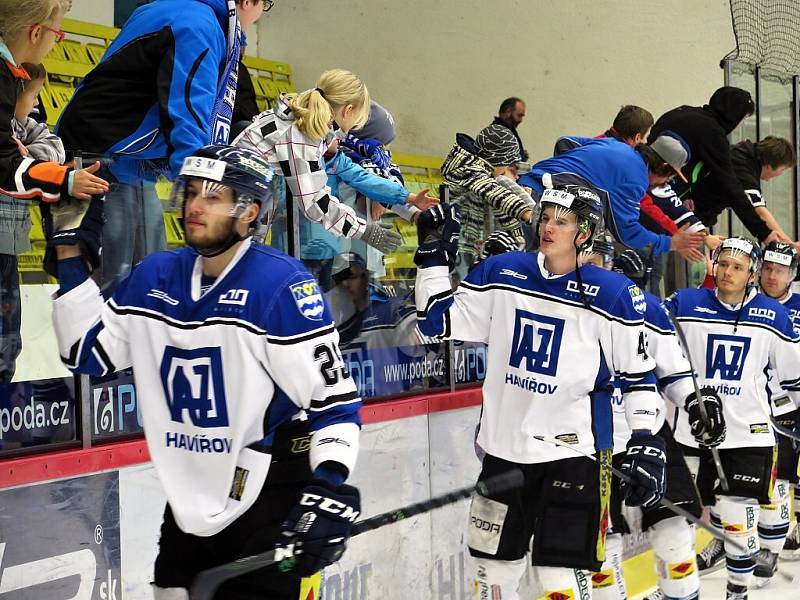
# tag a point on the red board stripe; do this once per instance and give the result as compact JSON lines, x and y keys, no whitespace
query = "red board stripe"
{"x":70,"y":463}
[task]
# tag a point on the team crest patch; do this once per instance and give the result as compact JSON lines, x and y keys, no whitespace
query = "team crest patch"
{"x":637,"y":296}
{"x":308,"y":298}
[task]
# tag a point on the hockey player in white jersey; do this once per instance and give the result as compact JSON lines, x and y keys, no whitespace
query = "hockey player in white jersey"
{"x":777,"y":273}
{"x":228,"y":341}
{"x":733,"y":334}
{"x":671,"y":536}
{"x":556,"y":337}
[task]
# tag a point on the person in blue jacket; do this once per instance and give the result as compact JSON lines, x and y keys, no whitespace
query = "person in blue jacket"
{"x":621,"y":175}
{"x":319,"y":247}
{"x":164,"y":88}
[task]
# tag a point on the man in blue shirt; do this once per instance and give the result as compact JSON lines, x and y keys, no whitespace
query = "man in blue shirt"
{"x":621,"y":175}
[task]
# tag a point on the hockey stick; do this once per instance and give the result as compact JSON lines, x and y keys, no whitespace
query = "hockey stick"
{"x":206,"y":583}
{"x":665,"y":503}
{"x":723,"y":481}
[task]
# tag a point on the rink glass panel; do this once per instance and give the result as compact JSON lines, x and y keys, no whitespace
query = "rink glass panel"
{"x":775,"y":95}
{"x":371,"y":298}
{"x":48,"y":408}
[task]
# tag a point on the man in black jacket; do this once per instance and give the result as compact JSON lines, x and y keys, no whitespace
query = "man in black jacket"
{"x":752,"y":163}
{"x":510,"y":115}
{"x":705,"y":130}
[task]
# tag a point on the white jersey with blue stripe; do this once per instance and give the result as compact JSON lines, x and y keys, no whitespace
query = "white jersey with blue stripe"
{"x":733,"y":348}
{"x":781,"y":402}
{"x":673,"y":372}
{"x":217,"y":372}
{"x":551,"y":361}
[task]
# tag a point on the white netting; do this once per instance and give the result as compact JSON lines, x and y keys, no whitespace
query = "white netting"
{"x":767,"y":34}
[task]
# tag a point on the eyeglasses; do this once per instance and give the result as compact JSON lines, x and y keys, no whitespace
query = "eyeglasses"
{"x":267,"y":4}
{"x":60,"y":35}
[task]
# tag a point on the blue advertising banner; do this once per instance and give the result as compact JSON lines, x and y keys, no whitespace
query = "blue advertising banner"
{"x":36,"y":413}
{"x":115,"y":411}
{"x":61,"y":540}
{"x":387,"y":371}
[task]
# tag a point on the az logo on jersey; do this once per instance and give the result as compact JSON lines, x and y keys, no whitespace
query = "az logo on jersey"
{"x":537,"y":341}
{"x":725,"y":356}
{"x":193,"y":385}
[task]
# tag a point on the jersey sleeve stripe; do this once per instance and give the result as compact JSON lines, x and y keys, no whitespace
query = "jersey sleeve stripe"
{"x":334,"y":400}
{"x":302,"y":337}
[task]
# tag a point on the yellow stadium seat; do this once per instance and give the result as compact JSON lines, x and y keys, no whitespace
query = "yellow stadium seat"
{"x":36,"y":233}
{"x":284,"y":86}
{"x":174,"y":230}
{"x":76,"y":52}
{"x":95,"y":52}
{"x":55,"y":95}
{"x":270,"y":88}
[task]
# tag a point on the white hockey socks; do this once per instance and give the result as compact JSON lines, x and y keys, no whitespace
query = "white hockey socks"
{"x":498,"y":579}
{"x":739,"y":520}
{"x":773,"y":519}
{"x":560,"y":582}
{"x":170,"y":593}
{"x":608,"y":583}
{"x":673,"y":542}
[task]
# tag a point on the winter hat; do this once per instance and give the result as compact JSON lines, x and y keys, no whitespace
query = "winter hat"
{"x":379,"y":126}
{"x":498,"y":146}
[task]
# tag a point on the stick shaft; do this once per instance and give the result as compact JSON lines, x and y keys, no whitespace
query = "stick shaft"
{"x":207,"y":581}
{"x":723,"y":481}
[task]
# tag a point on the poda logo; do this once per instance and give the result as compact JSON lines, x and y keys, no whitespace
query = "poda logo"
{"x":485,"y":525}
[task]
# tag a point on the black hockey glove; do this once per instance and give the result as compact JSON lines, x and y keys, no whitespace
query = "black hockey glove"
{"x":438,"y":230}
{"x":712,"y":433}
{"x":313,"y":536}
{"x":791,"y":421}
{"x":499,"y":242}
{"x":646,"y":464}
{"x":630,"y":264}
{"x":72,"y":222}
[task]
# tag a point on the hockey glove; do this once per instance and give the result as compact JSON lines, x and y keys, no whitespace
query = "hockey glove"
{"x":645,"y":463}
{"x":791,"y":421}
{"x":72,"y":222}
{"x":499,"y":242}
{"x":313,"y":535}
{"x":381,"y":237}
{"x":711,"y":433}
{"x":369,"y":148}
{"x":438,"y":230}
{"x":630,"y":264}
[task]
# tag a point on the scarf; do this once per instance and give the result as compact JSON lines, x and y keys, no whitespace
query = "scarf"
{"x":226,"y":92}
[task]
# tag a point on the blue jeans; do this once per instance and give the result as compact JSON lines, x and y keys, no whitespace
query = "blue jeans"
{"x":134,"y":228}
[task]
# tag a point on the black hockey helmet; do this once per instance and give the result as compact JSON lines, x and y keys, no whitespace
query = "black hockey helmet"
{"x":740,"y":245}
{"x":581,"y":200}
{"x":782,"y":253}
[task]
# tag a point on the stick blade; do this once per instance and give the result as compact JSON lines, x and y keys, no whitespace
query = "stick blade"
{"x":207,"y":582}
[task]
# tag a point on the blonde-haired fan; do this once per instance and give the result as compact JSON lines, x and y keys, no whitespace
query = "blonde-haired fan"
{"x":28,"y":31}
{"x":293,"y":137}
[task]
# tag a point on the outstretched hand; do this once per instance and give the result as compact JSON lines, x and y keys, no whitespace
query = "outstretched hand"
{"x":422,"y":200}
{"x":86,"y":184}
